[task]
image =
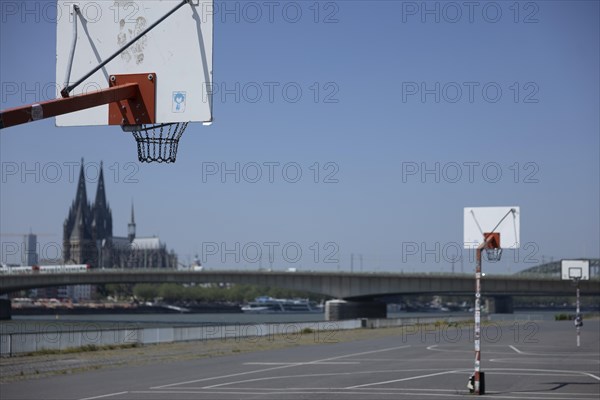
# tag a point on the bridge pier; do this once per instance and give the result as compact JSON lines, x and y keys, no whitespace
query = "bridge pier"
{"x":336,"y":310}
{"x":500,"y":305}
{"x":5,"y":313}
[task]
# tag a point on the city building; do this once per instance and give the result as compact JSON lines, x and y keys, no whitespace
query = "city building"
{"x":88,"y":235}
{"x":30,"y":249}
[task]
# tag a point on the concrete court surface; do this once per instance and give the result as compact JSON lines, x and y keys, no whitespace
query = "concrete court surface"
{"x":521,"y":360}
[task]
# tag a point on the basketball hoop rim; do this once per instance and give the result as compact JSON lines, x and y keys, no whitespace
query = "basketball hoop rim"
{"x":155,"y":143}
{"x":493,"y":254}
{"x":146,"y":127}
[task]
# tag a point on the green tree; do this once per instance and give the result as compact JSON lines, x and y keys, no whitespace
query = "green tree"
{"x":145,"y":291}
{"x":171,"y":292}
{"x":119,"y":290}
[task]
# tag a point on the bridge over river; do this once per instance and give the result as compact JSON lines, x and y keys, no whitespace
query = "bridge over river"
{"x":354,"y":287}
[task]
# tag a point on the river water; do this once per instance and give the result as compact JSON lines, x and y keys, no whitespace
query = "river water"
{"x":48,"y":323}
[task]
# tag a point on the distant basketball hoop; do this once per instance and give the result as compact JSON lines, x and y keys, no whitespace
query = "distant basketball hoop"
{"x":575,"y":271}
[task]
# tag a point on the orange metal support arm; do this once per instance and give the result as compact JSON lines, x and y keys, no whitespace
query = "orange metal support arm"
{"x":52,"y":108}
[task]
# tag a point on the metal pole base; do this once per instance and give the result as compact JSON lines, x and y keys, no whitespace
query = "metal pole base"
{"x":471,"y":384}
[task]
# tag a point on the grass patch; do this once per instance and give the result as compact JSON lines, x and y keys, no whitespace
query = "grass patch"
{"x":83,"y":349}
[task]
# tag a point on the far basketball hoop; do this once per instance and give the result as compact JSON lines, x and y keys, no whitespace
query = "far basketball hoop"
{"x":480,"y":222}
{"x":575,"y":270}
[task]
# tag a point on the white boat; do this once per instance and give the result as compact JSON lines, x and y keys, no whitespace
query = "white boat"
{"x":270,"y":305}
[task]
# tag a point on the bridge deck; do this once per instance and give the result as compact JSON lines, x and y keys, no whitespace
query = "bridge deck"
{"x":338,"y":285}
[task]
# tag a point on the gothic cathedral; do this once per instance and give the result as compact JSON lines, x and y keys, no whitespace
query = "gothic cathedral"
{"x":88,"y":235}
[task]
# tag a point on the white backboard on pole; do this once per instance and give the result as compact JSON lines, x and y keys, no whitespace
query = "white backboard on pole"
{"x":502,"y":220}
{"x":179,"y":51}
{"x":575,"y":269}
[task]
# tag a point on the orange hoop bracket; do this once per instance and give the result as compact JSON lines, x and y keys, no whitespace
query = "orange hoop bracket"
{"x":137,"y":110}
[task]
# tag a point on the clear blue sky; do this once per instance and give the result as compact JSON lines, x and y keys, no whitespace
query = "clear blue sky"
{"x":366,"y":127}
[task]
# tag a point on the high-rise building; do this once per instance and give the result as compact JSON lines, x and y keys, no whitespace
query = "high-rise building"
{"x":30,"y":249}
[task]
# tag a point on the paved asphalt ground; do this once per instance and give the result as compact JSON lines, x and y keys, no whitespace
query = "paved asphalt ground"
{"x":524,"y":360}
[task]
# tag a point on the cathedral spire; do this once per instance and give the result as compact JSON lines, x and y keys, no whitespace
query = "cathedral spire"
{"x":80,"y":209}
{"x":81,"y":196}
{"x":100,"y":191}
{"x":102,"y":216}
{"x":131,"y":226}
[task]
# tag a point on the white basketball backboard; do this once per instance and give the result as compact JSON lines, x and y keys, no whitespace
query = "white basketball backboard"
{"x":575,"y":269}
{"x":502,"y":220}
{"x":178,"y":51}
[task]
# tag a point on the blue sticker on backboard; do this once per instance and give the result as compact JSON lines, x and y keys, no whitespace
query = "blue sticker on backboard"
{"x":178,"y":105}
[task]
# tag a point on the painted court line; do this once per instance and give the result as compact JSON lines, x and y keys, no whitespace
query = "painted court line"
{"x":532,"y":374}
{"x":362,"y":393}
{"x":270,"y":363}
{"x":272,"y":378}
{"x":227,"y":390}
{"x":402,"y":380}
{"x":552,"y":354}
{"x":434,"y":347}
{"x":421,"y":360}
{"x":515,"y":349}
{"x":104,"y":396}
{"x":592,"y":395}
{"x":583,"y":395}
{"x":531,"y":360}
{"x":301,"y":363}
{"x":296,"y":377}
{"x":278,"y":367}
{"x":551,"y":371}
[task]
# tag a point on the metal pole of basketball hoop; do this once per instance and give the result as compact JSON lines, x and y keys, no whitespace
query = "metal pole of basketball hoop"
{"x":477,"y":336}
{"x":491,"y":244}
{"x":578,"y":319}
